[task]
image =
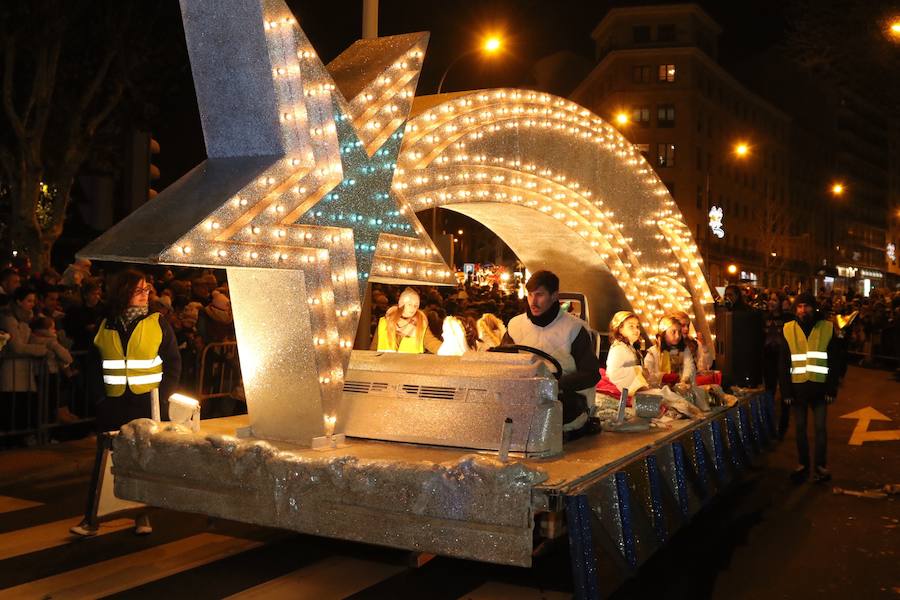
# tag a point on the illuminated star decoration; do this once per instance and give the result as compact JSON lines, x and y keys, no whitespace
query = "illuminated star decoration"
{"x":294,"y":200}
{"x":364,"y":201}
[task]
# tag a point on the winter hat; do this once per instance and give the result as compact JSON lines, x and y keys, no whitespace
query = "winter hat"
{"x":806,"y":298}
{"x":220,"y":301}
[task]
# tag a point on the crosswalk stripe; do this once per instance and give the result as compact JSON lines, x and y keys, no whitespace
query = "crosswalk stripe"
{"x":135,"y":569}
{"x":48,"y":535}
{"x":495,"y":590}
{"x":9,"y":504}
{"x":332,"y":577}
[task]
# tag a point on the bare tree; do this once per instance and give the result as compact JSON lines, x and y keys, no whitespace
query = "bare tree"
{"x":66,"y":68}
{"x":849,"y":43}
{"x":771,"y":224}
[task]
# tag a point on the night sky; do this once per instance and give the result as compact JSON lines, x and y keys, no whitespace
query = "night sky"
{"x":532,"y":29}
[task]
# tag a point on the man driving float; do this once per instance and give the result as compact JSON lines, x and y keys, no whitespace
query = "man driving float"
{"x":565,"y":337}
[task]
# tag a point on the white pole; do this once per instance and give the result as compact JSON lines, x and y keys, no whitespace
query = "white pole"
{"x":370,"y":19}
{"x":154,"y":405}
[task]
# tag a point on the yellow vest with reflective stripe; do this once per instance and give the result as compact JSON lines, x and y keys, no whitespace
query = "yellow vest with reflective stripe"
{"x":409,"y":345}
{"x":809,"y":356}
{"x":141,"y":368}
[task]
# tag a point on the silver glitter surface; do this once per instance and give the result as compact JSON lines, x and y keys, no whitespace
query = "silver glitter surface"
{"x":278,"y":356}
{"x":472,"y":506}
{"x":457,"y":401}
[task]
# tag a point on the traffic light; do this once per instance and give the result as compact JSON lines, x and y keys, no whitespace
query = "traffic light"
{"x":153,"y":170}
{"x":139,"y":171}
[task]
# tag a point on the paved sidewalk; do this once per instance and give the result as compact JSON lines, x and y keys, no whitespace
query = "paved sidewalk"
{"x":53,"y":461}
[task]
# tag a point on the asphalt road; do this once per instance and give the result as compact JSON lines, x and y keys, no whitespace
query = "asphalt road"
{"x":764,"y":538}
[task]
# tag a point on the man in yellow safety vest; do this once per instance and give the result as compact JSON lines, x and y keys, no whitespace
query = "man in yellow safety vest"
{"x":809,"y":368}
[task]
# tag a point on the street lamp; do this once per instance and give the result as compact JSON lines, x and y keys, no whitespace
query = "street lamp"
{"x":490,"y":46}
{"x":732,"y":269}
{"x":741,"y":149}
{"x":622,"y":118}
{"x":894,"y":29}
{"x":837,"y":189}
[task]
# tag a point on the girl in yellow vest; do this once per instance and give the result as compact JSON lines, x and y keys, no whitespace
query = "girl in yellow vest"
{"x":137,"y":353}
{"x":405,"y":328}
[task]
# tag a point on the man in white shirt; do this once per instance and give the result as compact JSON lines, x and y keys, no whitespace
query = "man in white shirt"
{"x":565,"y":337}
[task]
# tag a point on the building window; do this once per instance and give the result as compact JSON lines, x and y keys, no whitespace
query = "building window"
{"x":665,"y":115}
{"x":665,"y":33}
{"x":641,"y":115}
{"x":644,"y":149}
{"x":641,"y":74}
{"x":667,"y":73}
{"x":665,"y":155}
{"x":641,"y":34}
{"x":700,"y":197}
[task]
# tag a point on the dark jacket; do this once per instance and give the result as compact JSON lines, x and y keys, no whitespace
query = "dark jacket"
{"x":773,"y":330}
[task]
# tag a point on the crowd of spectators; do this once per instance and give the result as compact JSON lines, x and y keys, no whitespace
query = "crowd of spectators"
{"x":54,"y":317}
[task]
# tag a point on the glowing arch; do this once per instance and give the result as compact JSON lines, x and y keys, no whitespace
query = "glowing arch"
{"x":564,"y":190}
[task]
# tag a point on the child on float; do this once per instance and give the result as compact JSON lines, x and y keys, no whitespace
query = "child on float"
{"x":694,"y":341}
{"x":669,"y":361}
{"x":624,"y":366}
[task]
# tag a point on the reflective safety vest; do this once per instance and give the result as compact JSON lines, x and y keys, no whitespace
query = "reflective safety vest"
{"x":409,"y":345}
{"x":141,"y":368}
{"x":809,"y":356}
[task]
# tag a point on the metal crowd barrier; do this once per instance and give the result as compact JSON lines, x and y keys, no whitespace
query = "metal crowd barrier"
{"x":30,"y":397}
{"x":219,"y":377}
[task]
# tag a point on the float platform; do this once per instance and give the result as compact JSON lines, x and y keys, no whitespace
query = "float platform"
{"x":616,"y":497}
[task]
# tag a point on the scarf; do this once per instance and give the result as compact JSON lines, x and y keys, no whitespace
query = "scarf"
{"x":545,"y":319}
{"x":132,"y":314}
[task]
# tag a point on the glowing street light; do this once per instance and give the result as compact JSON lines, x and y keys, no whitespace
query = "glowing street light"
{"x":894,"y":29}
{"x":837,"y":189}
{"x":491,"y":46}
{"x":741,"y":149}
{"x":622,"y":118}
{"x":732,"y":269}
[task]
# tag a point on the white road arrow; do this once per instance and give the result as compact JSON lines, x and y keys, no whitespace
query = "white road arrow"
{"x":861,"y":433}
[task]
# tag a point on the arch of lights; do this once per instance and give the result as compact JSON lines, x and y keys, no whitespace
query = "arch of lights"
{"x":539,"y":163}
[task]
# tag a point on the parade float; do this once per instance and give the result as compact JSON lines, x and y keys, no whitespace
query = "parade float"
{"x":313,"y":178}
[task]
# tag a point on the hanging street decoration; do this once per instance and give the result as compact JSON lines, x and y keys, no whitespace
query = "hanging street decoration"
{"x":715,"y":221}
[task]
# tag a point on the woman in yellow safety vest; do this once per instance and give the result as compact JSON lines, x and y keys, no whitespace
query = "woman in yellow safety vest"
{"x":405,"y":328}
{"x":138,"y":353}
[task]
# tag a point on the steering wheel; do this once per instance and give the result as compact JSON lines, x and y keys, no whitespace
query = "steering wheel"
{"x":515,"y":348}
